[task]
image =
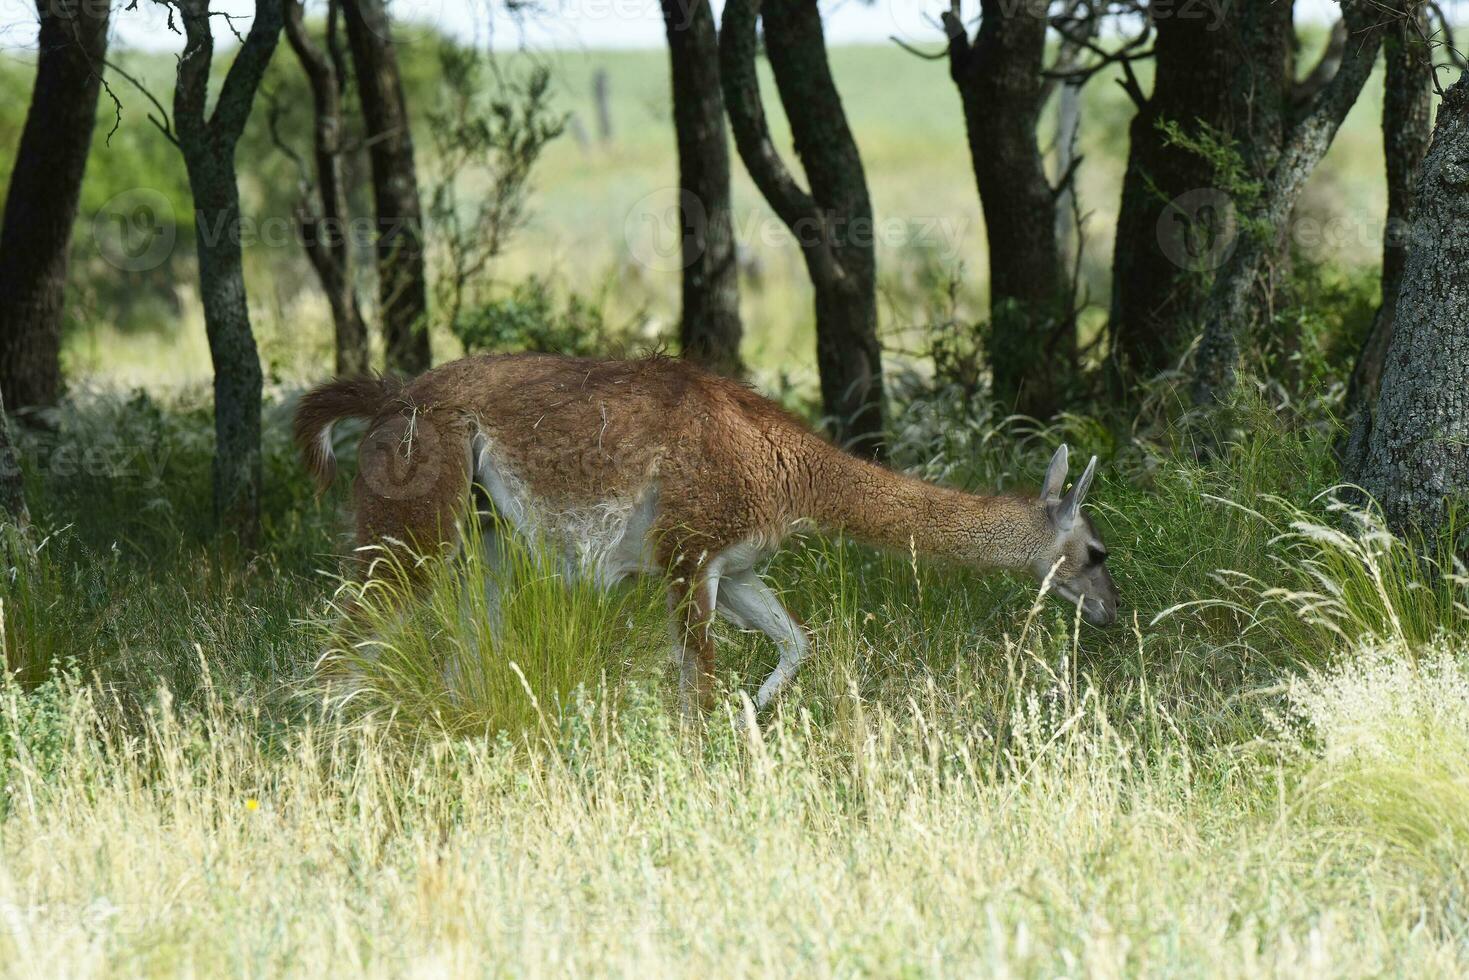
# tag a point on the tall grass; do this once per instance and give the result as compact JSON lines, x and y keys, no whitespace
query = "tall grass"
{"x":893,"y":841}
{"x":1259,"y":770}
{"x":501,"y":638}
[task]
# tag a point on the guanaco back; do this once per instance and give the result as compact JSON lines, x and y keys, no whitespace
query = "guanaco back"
{"x":656,"y":466}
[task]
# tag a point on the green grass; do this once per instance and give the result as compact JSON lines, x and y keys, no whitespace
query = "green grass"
{"x":1259,"y":769}
{"x":485,"y":645}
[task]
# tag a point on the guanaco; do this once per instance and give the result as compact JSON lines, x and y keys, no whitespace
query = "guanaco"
{"x":656,"y":466}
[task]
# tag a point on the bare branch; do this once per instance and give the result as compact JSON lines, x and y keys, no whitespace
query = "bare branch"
{"x":1130,"y":85}
{"x":274,"y":112}
{"x":1068,"y":177}
{"x":925,"y":55}
{"x":161,"y":119}
{"x":1123,"y":56}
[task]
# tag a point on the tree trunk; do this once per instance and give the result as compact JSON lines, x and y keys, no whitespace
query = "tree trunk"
{"x":1230,"y":306}
{"x":402,"y":275}
{"x":709,"y":329}
{"x":232,"y":351}
{"x":1417,"y":458}
{"x":1229,"y":79}
{"x":12,"y":487}
{"x":41,"y":205}
{"x":324,"y":226}
{"x":1407,"y":128}
{"x":208,"y":147}
{"x":1001,"y":82}
{"x":833,"y":222}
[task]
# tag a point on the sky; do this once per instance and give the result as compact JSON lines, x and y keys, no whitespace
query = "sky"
{"x":569,"y":24}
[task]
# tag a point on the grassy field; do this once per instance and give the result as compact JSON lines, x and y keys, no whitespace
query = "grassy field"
{"x":1261,"y":769}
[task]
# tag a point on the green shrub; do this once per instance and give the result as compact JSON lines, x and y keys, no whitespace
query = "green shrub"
{"x":531,"y":319}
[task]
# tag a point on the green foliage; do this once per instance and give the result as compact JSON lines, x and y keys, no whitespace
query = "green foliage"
{"x":495,"y":143}
{"x":1331,"y":311}
{"x":36,"y":726}
{"x":532,"y":318}
{"x":1230,"y":173}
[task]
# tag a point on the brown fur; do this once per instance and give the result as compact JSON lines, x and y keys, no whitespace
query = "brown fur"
{"x":730,"y":467}
{"x":327,"y":404}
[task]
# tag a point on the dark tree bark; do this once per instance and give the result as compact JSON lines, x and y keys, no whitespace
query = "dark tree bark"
{"x":41,"y":205}
{"x":1231,"y":305}
{"x":1407,"y":128}
{"x":208,"y":143}
{"x":1417,"y":458}
{"x":12,"y":489}
{"x":1230,"y":78}
{"x":1001,"y":82}
{"x":402,"y":276}
{"x":832,"y":222}
{"x":709,"y":328}
{"x":324,"y":224}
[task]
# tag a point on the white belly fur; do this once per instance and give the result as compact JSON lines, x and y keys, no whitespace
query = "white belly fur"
{"x":607,"y":540}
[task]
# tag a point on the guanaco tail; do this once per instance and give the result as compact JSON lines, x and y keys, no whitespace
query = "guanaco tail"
{"x":656,"y":466}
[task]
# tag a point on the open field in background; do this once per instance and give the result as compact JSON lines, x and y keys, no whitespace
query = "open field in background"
{"x":595,"y":207}
{"x":906,"y":116}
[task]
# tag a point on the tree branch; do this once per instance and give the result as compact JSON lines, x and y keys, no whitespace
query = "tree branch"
{"x":741,"y":83}
{"x":1326,"y":68}
{"x":243,"y":79}
{"x":1078,"y":34}
{"x":1067,"y":178}
{"x":192,"y":88}
{"x":1311,"y":135}
{"x":925,"y":55}
{"x":961,"y":50}
{"x":313,"y":62}
{"x":1131,"y":86}
{"x":161,"y":119}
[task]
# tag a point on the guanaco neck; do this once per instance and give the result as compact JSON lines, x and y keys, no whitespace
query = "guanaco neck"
{"x":880,"y":507}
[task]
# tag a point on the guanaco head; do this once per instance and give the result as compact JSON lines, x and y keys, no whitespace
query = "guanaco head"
{"x":1075,"y":550}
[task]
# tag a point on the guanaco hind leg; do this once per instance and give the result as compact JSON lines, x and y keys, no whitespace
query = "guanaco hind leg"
{"x":746,"y":601}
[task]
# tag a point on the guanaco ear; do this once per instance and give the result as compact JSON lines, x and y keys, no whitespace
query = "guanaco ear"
{"x":1055,"y":475}
{"x":1071,"y":506}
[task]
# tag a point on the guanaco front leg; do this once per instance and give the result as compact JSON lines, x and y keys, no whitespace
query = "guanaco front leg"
{"x":691,"y":603}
